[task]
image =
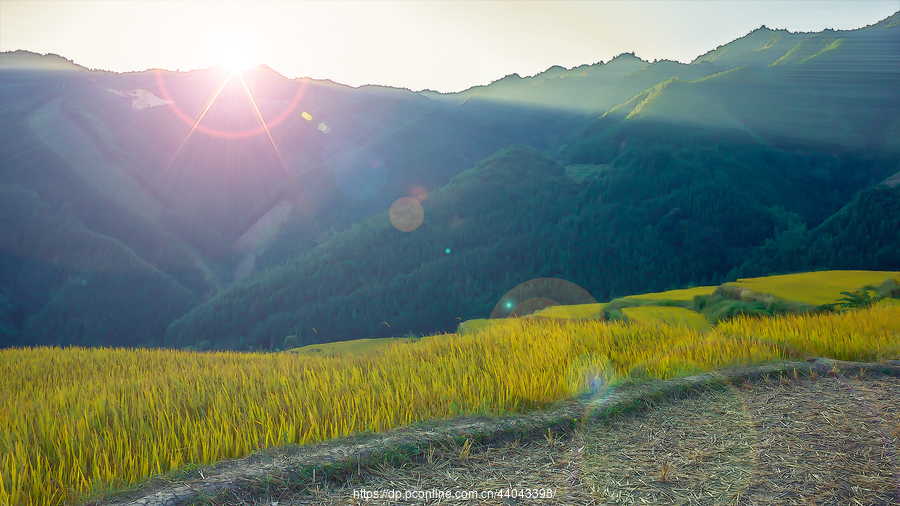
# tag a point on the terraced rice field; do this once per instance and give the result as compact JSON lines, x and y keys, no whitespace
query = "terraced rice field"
{"x":671,"y":315}
{"x":572,"y":312}
{"x":81,"y":420}
{"x":355,"y":346}
{"x":815,"y":287}
{"x":682,"y":294}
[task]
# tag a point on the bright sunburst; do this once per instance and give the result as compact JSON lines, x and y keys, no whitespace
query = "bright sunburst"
{"x":235,"y":57}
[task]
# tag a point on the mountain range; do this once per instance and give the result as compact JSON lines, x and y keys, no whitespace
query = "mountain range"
{"x":218,"y":210}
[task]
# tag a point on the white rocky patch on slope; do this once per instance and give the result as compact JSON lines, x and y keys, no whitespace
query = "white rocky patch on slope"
{"x":141,"y":99}
{"x":891,"y":181}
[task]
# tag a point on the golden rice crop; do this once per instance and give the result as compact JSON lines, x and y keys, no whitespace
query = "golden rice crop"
{"x":673,"y":315}
{"x":348,"y":347}
{"x":866,"y":335}
{"x":573,"y":311}
{"x":476,"y":325}
{"x":815,"y":288}
{"x":81,"y":420}
{"x":681,"y":294}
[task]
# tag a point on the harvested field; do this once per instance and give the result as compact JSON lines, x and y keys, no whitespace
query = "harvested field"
{"x":757,"y":436}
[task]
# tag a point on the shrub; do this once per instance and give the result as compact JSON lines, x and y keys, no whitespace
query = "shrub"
{"x":699,"y":303}
{"x":290,"y":342}
{"x":858,"y":299}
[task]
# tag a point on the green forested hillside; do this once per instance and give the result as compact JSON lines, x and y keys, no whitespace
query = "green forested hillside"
{"x":865,"y":232}
{"x":76,"y":267}
{"x":65,"y":284}
{"x":122,"y":174}
{"x":669,"y":208}
{"x":27,"y":162}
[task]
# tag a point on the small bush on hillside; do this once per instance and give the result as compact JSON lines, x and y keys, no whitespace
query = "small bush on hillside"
{"x":727,"y":309}
{"x":890,"y":288}
{"x":827,"y":308}
{"x":859,"y":299}
{"x":699,"y":303}
{"x":614,"y":315}
{"x":290,"y":342}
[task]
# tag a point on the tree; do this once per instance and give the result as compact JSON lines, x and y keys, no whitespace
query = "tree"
{"x":858,"y":299}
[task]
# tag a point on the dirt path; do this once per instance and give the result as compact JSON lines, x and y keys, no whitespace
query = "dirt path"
{"x":752,"y":436}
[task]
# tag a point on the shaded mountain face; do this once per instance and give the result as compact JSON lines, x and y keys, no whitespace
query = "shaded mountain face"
{"x":198,"y":174}
{"x":253,"y":204}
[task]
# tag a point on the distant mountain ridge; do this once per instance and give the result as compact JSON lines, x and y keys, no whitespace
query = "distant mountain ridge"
{"x":600,"y":87}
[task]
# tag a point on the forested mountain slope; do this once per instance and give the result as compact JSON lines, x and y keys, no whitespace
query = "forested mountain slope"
{"x":71,"y":285}
{"x":655,"y":217}
{"x":865,"y":232}
{"x":116,"y":152}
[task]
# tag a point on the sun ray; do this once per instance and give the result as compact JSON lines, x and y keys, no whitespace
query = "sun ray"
{"x":271,"y":139}
{"x":195,"y":125}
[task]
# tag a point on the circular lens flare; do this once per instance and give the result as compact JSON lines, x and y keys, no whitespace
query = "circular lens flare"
{"x":539,"y":294}
{"x":228,"y":134}
{"x":406,"y":214}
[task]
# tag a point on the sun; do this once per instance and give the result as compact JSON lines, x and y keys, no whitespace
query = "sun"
{"x":235,"y":57}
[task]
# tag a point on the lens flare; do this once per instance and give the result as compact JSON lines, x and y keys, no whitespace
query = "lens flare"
{"x":406,"y":214}
{"x":418,"y":193}
{"x":264,"y":126}
{"x":538,"y":294}
{"x":227,"y":134}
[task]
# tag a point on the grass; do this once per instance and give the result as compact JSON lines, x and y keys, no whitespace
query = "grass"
{"x":471,"y":326}
{"x":718,"y":74}
{"x":642,"y":100}
{"x":795,"y":290}
{"x":355,"y":346}
{"x":829,"y":47}
{"x":742,"y":436}
{"x":802,"y":336}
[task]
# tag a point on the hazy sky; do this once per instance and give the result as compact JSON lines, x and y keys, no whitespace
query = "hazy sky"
{"x":444,"y":46}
